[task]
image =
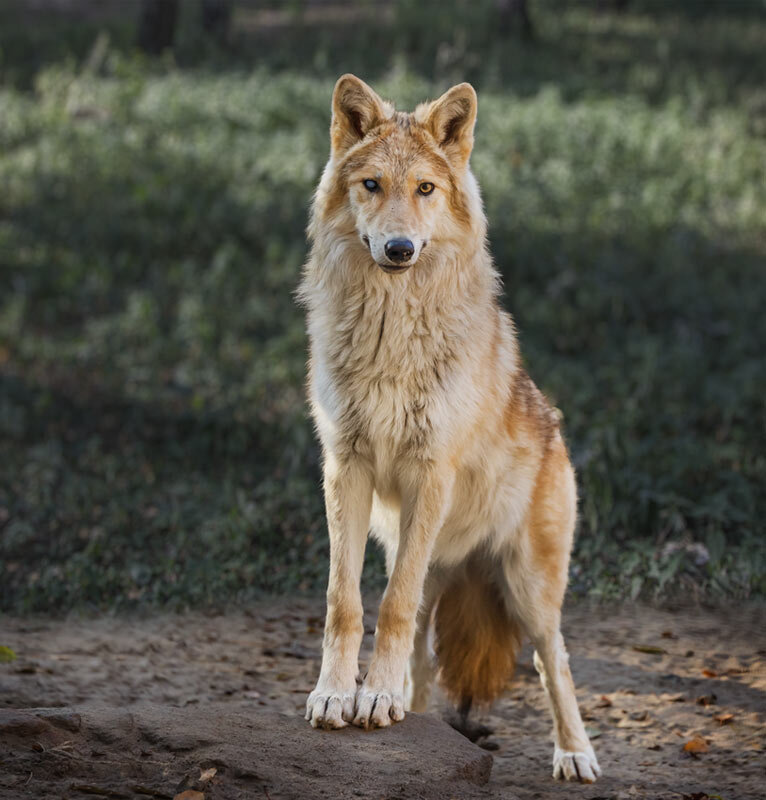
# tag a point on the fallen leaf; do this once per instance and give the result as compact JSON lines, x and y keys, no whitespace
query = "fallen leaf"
{"x":648,"y":648}
{"x":668,"y":635}
{"x":709,"y":673}
{"x":190,"y":794}
{"x":604,"y":702}
{"x":723,"y":719}
{"x":707,"y":700}
{"x":6,"y":655}
{"x":696,"y":745}
{"x":207,"y":774}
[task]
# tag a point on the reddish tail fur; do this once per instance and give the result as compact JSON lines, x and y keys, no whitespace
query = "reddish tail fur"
{"x":476,"y":639}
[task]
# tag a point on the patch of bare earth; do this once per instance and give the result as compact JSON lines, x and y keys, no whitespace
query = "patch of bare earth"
{"x":675,"y":701}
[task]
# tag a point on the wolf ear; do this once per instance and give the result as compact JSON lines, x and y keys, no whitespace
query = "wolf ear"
{"x":451,"y":119}
{"x":356,"y":109}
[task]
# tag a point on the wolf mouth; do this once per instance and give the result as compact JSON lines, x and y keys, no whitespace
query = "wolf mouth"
{"x":392,"y":269}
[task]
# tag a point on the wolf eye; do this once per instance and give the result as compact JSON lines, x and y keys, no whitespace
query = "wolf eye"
{"x":371,"y":185}
{"x":425,"y":188}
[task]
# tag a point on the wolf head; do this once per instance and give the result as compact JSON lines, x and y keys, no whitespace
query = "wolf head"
{"x":400,"y":179}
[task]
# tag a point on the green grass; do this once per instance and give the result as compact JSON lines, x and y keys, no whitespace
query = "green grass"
{"x":155,"y":443}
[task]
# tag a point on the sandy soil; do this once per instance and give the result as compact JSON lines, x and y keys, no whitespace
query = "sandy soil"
{"x":649,"y":682}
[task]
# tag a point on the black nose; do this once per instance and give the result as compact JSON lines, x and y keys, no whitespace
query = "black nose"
{"x":399,"y":250}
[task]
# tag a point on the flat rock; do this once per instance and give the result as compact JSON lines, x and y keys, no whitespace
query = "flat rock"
{"x":156,"y":751}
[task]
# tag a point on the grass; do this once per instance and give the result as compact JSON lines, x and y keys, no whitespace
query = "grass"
{"x":156,"y":448}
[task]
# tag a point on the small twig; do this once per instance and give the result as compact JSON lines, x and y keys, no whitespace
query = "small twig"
{"x":150,"y":792}
{"x":125,"y":759}
{"x":97,"y":790}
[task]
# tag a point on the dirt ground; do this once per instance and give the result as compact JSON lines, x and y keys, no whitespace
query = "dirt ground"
{"x":674,"y":701}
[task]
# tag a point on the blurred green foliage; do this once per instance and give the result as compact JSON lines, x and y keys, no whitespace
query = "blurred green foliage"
{"x":155,"y":443}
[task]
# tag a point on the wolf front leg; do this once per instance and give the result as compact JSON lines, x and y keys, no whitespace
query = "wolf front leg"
{"x":348,"y":498}
{"x":380,"y":700}
{"x":421,"y":667}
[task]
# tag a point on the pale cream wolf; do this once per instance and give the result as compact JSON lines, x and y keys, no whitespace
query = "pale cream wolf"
{"x":435,"y":439}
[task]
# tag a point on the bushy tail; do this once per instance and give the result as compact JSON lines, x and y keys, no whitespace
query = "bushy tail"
{"x":476,"y":640}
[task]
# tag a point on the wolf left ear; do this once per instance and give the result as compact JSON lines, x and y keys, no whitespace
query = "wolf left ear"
{"x":356,"y":109}
{"x":451,"y":119}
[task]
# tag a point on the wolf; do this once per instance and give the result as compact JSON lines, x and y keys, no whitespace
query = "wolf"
{"x":435,"y":440}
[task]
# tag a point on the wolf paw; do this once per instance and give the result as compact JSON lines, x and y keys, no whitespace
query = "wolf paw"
{"x":378,"y":709}
{"x":581,"y":766}
{"x":330,"y":708}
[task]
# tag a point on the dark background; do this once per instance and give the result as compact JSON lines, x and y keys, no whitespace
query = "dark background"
{"x":155,"y":174}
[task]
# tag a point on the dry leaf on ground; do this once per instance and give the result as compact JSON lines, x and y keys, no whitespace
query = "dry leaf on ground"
{"x":723,"y":719}
{"x":190,"y":794}
{"x":696,"y":745}
{"x":604,"y":702}
{"x":709,"y":673}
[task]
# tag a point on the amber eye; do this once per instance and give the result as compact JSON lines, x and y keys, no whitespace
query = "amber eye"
{"x":425,"y":188}
{"x":371,"y":185}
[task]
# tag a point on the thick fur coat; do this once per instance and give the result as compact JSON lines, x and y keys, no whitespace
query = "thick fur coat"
{"x":434,"y":437}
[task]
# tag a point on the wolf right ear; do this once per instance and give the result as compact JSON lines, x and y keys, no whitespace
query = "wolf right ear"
{"x":356,"y":109}
{"x":451,"y":119}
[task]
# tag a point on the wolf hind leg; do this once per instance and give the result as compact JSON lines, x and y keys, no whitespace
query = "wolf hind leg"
{"x":573,"y":757}
{"x":536,"y":576}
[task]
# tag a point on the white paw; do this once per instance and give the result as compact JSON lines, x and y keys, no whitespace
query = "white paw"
{"x":378,"y":708}
{"x":330,"y":708}
{"x":580,"y":766}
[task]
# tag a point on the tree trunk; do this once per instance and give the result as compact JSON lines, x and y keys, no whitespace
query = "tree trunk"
{"x":215,"y":17}
{"x":157,"y":25}
{"x":515,"y":14}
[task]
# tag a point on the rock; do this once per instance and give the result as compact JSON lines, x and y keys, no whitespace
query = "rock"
{"x":20,"y":723}
{"x":235,"y":755}
{"x":31,"y":722}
